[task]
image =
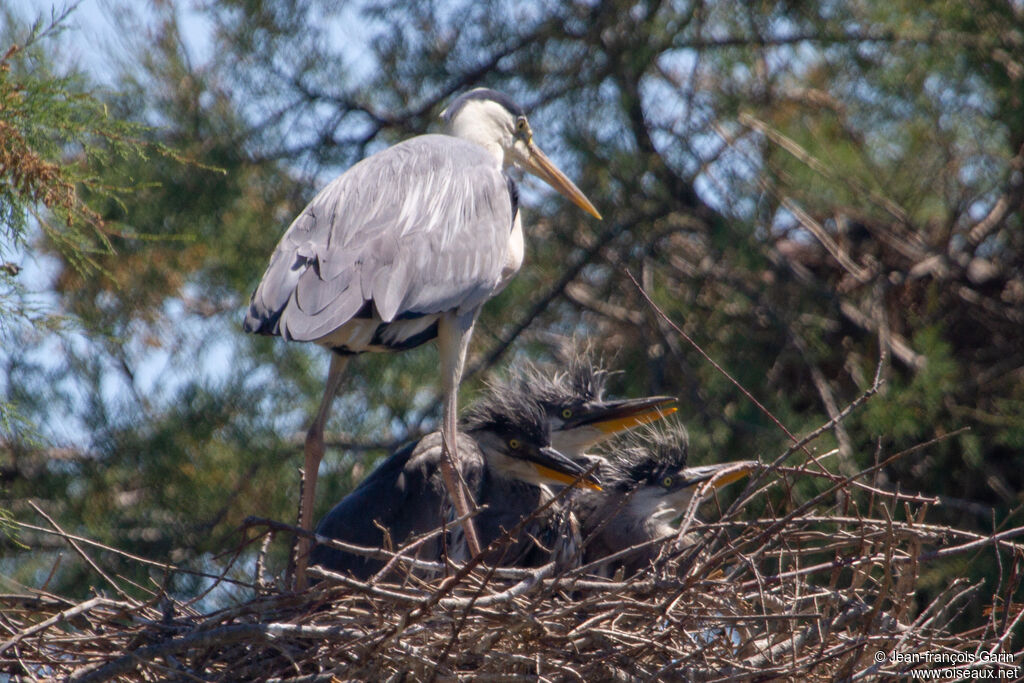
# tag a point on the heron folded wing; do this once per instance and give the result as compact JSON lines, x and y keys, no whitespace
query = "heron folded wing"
{"x":390,"y":286}
{"x":299,"y":325}
{"x":459,"y":263}
{"x":314,"y":294}
{"x":333,"y":263}
{"x":271,"y":297}
{"x":420,"y":228}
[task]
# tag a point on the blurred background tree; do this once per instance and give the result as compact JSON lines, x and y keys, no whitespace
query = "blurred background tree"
{"x":804,"y":187}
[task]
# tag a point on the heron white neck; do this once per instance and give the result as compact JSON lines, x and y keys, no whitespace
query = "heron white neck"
{"x":487,"y":124}
{"x":473,"y":133}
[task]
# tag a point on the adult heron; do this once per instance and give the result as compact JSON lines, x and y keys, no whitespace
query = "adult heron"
{"x":504,"y":458}
{"x":646,"y":486}
{"x":403,"y":247}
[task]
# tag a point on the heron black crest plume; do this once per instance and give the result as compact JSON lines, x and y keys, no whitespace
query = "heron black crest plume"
{"x":648,"y":454}
{"x":508,"y":412}
{"x":459,"y":102}
{"x":583,"y":381}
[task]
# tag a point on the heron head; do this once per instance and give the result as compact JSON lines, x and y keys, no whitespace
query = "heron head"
{"x":655,"y":470}
{"x":579,"y":425}
{"x":512,"y":457}
{"x":494,"y":121}
{"x":578,"y":414}
{"x":513,"y":434}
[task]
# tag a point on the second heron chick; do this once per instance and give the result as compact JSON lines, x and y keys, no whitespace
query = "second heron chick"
{"x":579,"y":414}
{"x":647,"y":485}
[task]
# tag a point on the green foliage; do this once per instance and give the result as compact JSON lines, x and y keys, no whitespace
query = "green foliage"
{"x":53,"y":133}
{"x":909,"y":409}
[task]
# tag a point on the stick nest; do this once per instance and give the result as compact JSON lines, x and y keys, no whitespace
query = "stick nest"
{"x":814,"y":593}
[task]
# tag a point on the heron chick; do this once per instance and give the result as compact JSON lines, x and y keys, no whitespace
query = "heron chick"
{"x":579,"y":414}
{"x":506,"y":461}
{"x":404,"y":247}
{"x":646,"y":486}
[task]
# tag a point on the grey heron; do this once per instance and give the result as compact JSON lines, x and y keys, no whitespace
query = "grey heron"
{"x":404,"y":247}
{"x":506,"y":461}
{"x":646,"y":486}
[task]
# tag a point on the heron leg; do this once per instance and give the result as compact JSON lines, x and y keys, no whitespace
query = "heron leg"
{"x":314,"y":451}
{"x":454,"y":332}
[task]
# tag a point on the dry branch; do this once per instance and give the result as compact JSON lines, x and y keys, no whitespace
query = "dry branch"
{"x":667,"y":622}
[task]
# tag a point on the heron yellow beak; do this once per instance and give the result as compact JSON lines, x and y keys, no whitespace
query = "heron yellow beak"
{"x":730,"y":477}
{"x":730,"y":472}
{"x":620,"y":424}
{"x":537,"y":163}
{"x":564,"y":478}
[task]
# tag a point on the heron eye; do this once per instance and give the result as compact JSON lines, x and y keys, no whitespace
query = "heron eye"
{"x":513,"y":444}
{"x":521,"y":123}
{"x":566,"y":413}
{"x":667,"y":482}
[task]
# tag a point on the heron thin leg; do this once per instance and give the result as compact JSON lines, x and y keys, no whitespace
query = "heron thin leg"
{"x":453,"y":337}
{"x":314,"y":451}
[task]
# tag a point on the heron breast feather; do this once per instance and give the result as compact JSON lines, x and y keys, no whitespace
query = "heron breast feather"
{"x":515,"y":254}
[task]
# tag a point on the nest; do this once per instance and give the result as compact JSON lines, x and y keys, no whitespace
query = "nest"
{"x":816,"y":593}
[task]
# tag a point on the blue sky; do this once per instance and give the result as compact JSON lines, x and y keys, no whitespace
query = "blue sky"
{"x":93,"y":38}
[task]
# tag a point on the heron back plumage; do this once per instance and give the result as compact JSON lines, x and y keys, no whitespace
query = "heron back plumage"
{"x":414,"y":231}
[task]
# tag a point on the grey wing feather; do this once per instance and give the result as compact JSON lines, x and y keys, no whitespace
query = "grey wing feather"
{"x":421,"y":227}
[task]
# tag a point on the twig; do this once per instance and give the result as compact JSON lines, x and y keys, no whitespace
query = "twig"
{"x":235,"y":633}
{"x":78,"y":549}
{"x":64,"y":615}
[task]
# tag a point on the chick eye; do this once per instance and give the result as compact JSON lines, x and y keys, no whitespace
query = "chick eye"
{"x":513,"y":444}
{"x":566,"y":413}
{"x":667,"y":482}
